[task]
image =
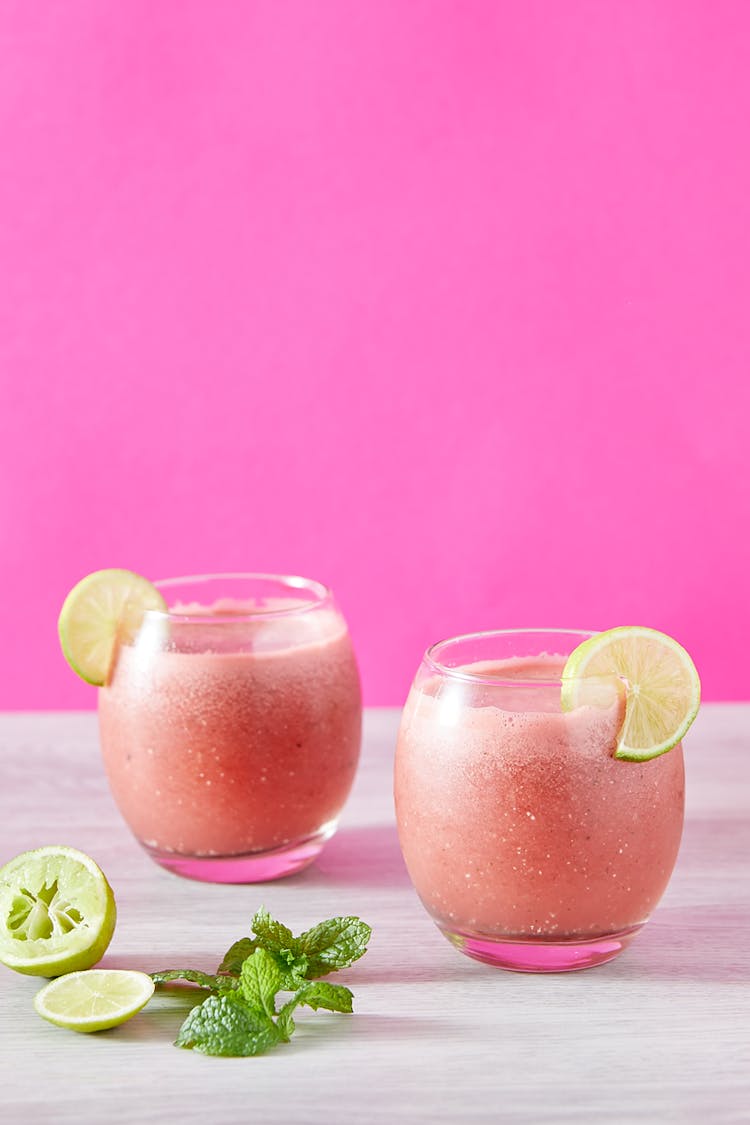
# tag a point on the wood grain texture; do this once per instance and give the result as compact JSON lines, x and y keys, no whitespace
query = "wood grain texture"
{"x":660,"y":1035}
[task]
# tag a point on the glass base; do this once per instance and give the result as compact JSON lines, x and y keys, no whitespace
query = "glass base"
{"x":539,"y":956}
{"x":253,"y":867}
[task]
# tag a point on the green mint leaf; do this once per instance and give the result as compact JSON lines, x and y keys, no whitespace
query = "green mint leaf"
{"x":314,"y":994}
{"x":284,"y":1022}
{"x":272,"y":935}
{"x":321,"y":994}
{"x":292,"y":966}
{"x":260,"y":980}
{"x":293,"y":969}
{"x":236,"y":955}
{"x":227,"y":1025}
{"x":193,"y":976}
{"x":334,"y":944}
{"x":278,"y":940}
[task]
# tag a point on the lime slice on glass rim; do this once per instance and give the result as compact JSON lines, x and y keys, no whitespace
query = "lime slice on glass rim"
{"x":95,"y":999}
{"x":102,"y":609}
{"x":662,"y":686}
{"x":57,"y":912}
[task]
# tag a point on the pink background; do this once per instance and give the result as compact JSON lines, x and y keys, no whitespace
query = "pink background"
{"x":443,"y":303}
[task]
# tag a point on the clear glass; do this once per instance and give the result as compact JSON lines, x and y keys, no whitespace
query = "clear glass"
{"x":530,"y":845}
{"x":231,"y":726}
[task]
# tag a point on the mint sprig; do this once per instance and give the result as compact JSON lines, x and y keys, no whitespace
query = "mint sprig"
{"x":240,"y":1016}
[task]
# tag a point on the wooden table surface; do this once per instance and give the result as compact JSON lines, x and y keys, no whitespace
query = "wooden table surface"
{"x":660,"y":1035}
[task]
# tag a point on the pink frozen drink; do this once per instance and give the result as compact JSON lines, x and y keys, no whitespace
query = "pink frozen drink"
{"x":230,"y":730}
{"x":529,"y":843}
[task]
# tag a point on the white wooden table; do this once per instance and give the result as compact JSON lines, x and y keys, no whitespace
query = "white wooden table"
{"x":660,"y":1035}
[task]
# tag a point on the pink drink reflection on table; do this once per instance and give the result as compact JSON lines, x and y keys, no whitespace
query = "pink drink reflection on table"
{"x":530,"y":845}
{"x":231,"y":726}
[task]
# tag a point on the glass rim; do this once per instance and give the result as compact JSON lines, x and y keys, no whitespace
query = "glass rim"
{"x":321,"y":594}
{"x":431,"y":658}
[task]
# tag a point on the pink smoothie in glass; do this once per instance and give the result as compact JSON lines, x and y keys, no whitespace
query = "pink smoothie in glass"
{"x":215,"y":752}
{"x":516,"y":821}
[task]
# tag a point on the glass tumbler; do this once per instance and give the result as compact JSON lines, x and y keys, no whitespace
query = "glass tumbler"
{"x":230,"y":728}
{"x":530,"y":845}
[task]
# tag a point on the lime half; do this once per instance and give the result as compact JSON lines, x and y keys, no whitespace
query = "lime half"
{"x":57,"y":912}
{"x":94,"y":1000}
{"x":663,"y":688}
{"x":101,"y":609}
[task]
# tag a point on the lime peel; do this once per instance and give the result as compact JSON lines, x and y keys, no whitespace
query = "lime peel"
{"x":663,"y":686}
{"x":95,"y":999}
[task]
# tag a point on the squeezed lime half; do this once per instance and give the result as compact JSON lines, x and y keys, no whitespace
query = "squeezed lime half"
{"x":57,"y":912}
